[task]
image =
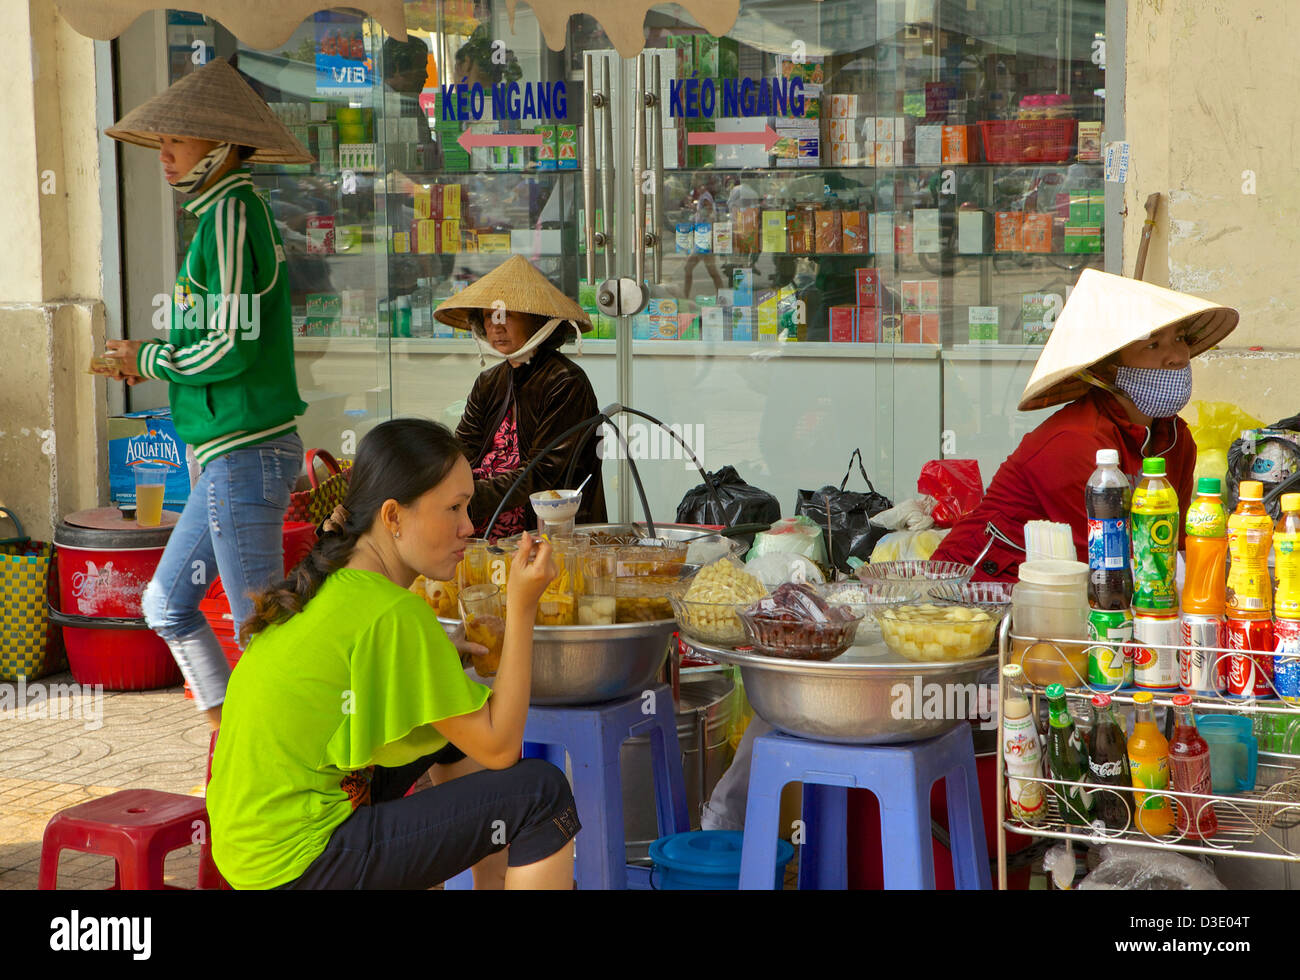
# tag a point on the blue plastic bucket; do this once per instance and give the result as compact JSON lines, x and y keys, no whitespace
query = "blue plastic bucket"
{"x":707,"y":860}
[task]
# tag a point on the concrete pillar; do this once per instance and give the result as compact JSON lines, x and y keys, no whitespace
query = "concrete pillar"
{"x":53,"y":446}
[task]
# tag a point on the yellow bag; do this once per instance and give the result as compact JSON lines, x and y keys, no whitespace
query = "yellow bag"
{"x":1217,"y":425}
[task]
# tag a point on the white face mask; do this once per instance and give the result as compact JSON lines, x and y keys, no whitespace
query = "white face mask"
{"x":524,"y":354}
{"x":210,"y":161}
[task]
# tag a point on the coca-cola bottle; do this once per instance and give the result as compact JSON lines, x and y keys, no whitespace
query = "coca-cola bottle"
{"x":1108,"y":764}
{"x":1189,"y":772}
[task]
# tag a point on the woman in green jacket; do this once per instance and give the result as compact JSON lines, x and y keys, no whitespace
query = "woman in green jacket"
{"x":228,"y":359}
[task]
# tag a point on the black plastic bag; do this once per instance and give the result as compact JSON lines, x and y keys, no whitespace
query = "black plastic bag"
{"x":1272,"y":458}
{"x":740,"y":503}
{"x":845,"y":516}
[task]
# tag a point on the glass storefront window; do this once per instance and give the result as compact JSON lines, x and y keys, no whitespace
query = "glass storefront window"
{"x":868,"y":216}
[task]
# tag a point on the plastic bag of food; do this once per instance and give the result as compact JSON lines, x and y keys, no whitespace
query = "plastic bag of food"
{"x":777,"y":569}
{"x":904,"y":545}
{"x":802,"y":604}
{"x":1129,"y":868}
{"x":702,"y":551}
{"x":955,"y":485}
{"x":791,"y":536}
{"x":1217,"y":426}
{"x":910,"y":515}
{"x":725,"y":580}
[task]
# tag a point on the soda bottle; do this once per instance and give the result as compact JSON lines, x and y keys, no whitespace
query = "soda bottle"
{"x":1148,"y":762}
{"x":1286,"y":603}
{"x":1250,"y":531}
{"x":1106,"y":497}
{"x":1021,"y":753}
{"x":1108,"y":763}
{"x":1189,"y":771}
{"x":1066,"y":760}
{"x":1155,"y":540}
{"x":1207,"y":547}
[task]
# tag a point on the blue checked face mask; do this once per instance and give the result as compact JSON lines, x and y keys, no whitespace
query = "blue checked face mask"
{"x":1156,"y":392}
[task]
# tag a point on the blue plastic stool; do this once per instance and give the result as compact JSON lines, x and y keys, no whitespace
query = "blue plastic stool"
{"x":901,"y":776}
{"x":593,"y":735}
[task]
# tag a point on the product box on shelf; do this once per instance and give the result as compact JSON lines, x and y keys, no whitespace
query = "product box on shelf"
{"x":146,"y":437}
{"x":829,"y":237}
{"x":1038,"y":312}
{"x":548,"y":150}
{"x":566,"y":146}
{"x":746,"y":229}
{"x":970,"y":232}
{"x":1082,"y":241}
{"x":451,"y":201}
{"x":425,"y":236}
{"x":449,"y":235}
{"x":884,"y":154}
{"x":884,"y":129}
{"x":867,"y":324}
{"x":867,"y":282}
{"x":930,"y":328}
{"x":845,"y":155}
{"x":910,"y":293}
{"x":1036,"y":232}
{"x":810,"y":69}
{"x":853,"y":229}
{"x":925,"y":230}
{"x":799,"y":224}
{"x":688,"y":326}
{"x":324,"y":305}
{"x":494,"y":242}
{"x":929,"y":295}
{"x":903,"y":237}
{"x":891,"y":329}
{"x":768,"y":319}
{"x":742,"y":326}
{"x":956,"y":144}
{"x":742,"y":281}
{"x":713,"y":321}
{"x":843,"y":324}
{"x":401,"y":241}
{"x":882,"y":232}
{"x":320,"y":234}
{"x":716,"y":57}
{"x":774,"y":231}
{"x":1007,"y":227}
{"x":844,"y":107}
{"x":911,"y":328}
{"x":928,"y":144}
{"x":722,"y":237}
{"x":1089,"y":142}
{"x":982,"y":322}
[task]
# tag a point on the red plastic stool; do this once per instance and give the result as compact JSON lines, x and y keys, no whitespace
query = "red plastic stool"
{"x":209,"y":877}
{"x":137,"y":827}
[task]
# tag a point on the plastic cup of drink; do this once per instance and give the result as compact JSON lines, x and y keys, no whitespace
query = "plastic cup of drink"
{"x":150,"y":488}
{"x":596,"y":603}
{"x":485,"y":624}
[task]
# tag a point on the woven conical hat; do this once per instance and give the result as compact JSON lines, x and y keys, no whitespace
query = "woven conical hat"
{"x":518,"y":285}
{"x":212,"y":103}
{"x":1105,"y":314}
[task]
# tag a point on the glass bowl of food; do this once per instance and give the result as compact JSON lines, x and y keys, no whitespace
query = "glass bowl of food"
{"x":939,"y":631}
{"x":917,"y":576}
{"x":708,"y":606}
{"x":796,"y":623}
{"x":866,"y":599}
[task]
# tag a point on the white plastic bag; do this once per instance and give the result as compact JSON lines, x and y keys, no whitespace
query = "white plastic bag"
{"x":777,"y":569}
{"x":903,"y":545}
{"x":910,"y":515}
{"x":1143,"y":869}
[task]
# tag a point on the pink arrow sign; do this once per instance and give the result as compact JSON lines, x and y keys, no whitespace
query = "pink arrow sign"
{"x":470,"y":140}
{"x":767,"y":136}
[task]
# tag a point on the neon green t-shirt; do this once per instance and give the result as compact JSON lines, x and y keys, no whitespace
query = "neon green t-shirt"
{"x":353,"y":681}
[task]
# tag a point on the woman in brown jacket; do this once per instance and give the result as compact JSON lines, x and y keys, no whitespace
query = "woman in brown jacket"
{"x":516,"y":408}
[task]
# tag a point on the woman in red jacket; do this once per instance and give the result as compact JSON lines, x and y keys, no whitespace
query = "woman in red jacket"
{"x":1120,"y":354}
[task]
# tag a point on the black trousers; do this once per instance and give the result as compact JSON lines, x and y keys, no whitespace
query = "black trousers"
{"x":421,"y":840}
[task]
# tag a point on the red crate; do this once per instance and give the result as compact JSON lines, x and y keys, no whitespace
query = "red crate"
{"x":1029,"y":140}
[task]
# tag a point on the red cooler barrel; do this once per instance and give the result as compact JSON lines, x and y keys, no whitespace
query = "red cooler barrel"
{"x":104,"y":564}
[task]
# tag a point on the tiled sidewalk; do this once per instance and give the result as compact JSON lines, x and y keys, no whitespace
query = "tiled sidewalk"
{"x":67,"y":751}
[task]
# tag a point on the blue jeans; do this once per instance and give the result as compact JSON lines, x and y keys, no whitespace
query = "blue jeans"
{"x":232,"y":526}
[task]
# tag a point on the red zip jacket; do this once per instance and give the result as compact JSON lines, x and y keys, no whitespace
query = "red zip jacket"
{"x":1043,"y":480}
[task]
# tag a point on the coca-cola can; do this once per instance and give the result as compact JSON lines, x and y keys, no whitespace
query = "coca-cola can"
{"x":1155,"y":652}
{"x":1250,"y":674}
{"x":1286,"y":666}
{"x":1200,"y":670}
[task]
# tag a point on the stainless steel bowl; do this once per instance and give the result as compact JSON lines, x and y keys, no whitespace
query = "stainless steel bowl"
{"x":868,"y":695}
{"x":594,"y":664}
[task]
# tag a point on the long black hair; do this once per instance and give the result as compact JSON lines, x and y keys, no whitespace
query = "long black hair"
{"x":397,"y":460}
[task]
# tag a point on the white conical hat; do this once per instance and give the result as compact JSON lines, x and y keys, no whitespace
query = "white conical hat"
{"x":212,"y":103}
{"x":1105,"y":314}
{"x":518,"y":285}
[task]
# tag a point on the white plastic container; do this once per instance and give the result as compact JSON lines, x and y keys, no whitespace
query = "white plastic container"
{"x":1051,"y":602}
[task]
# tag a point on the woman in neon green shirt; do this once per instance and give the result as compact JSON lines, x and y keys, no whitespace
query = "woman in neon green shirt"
{"x":350,"y":687}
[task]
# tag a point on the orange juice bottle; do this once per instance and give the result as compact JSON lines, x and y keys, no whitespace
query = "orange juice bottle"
{"x":1207,"y":547}
{"x":1148,"y":761}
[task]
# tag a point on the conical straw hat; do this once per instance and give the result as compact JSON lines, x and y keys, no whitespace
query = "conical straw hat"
{"x":212,"y":103}
{"x":1106,"y":313}
{"x":518,"y":285}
